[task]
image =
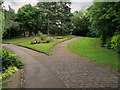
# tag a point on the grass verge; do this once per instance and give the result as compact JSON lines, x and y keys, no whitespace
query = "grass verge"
{"x":90,"y":47}
{"x":44,"y":47}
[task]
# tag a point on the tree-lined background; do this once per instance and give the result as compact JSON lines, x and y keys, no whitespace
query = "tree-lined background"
{"x":102,"y":20}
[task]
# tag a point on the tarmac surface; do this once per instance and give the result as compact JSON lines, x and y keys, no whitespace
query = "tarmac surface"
{"x":63,"y":69}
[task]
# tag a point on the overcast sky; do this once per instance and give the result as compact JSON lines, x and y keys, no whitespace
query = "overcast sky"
{"x":76,"y":4}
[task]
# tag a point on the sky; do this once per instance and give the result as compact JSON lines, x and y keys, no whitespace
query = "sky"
{"x":76,"y":4}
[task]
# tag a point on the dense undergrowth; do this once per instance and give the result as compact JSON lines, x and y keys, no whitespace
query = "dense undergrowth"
{"x":10,"y":63}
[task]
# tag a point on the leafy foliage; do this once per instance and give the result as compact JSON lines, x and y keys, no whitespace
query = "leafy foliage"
{"x":115,"y":43}
{"x":27,"y":18}
{"x":46,"y":17}
{"x":57,"y":16}
{"x":108,"y":43}
{"x":42,"y":36}
{"x":49,"y":39}
{"x":8,"y":72}
{"x":11,"y":27}
{"x":80,"y":23}
{"x":2,"y":18}
{"x":42,"y":39}
{"x":104,"y":19}
{"x":36,"y":41}
{"x":9,"y":59}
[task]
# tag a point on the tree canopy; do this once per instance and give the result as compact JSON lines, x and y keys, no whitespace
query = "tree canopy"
{"x":57,"y":16}
{"x":104,"y":19}
{"x":10,"y":24}
{"x":2,"y":20}
{"x":80,"y":23}
{"x":27,"y":18}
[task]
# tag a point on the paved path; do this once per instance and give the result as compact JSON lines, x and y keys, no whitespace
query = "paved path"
{"x":36,"y":74}
{"x":63,"y":69}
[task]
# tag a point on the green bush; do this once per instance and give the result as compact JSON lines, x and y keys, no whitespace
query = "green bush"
{"x":9,"y":59}
{"x":42,"y":36}
{"x":36,"y":41}
{"x":115,"y":43}
{"x":8,"y":72}
{"x":108,"y":43}
{"x":49,"y":39}
{"x":90,"y":34}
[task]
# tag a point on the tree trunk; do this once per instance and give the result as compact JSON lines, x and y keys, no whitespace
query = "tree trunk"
{"x":9,"y":33}
{"x":48,"y":32}
{"x":26,"y":32}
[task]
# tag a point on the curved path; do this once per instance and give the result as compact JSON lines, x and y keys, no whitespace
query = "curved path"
{"x":63,"y":69}
{"x":36,"y":74}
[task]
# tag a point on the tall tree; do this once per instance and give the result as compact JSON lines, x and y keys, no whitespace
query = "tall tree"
{"x":2,"y":20}
{"x":9,"y":22}
{"x":104,"y":19}
{"x":80,"y":23}
{"x":47,"y":8}
{"x":27,"y":18}
{"x":57,"y":16}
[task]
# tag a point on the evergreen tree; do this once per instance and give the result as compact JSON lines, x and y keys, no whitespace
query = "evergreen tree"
{"x":57,"y":16}
{"x":10,"y":24}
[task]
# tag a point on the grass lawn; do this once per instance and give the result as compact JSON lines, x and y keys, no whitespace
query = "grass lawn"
{"x":90,"y":47}
{"x":44,"y":47}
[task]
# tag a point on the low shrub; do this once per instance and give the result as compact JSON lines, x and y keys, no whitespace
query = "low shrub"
{"x":10,"y":60}
{"x":36,"y":41}
{"x":108,"y":43}
{"x":115,"y":43}
{"x":49,"y":39}
{"x":90,"y":34}
{"x":8,"y":72}
{"x":42,"y":36}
